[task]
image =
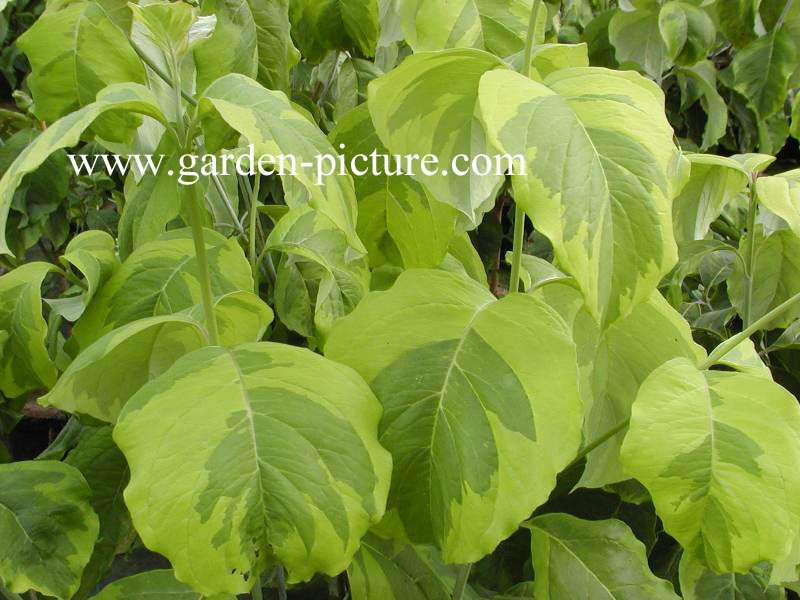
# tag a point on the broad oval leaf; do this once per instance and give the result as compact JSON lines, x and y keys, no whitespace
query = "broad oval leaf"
{"x":105,"y":375}
{"x":714,"y":182}
{"x":761,"y":71}
{"x":47,"y":526}
{"x":699,"y":583}
{"x":160,"y":278}
{"x":237,"y":455}
{"x":105,"y":470}
{"x":477,"y":426}
{"x":716,"y":450}
{"x":323,"y":25}
{"x":428,"y":105}
{"x":390,"y":570}
{"x":66,"y":132}
{"x":637,"y":39}
{"x":780,"y":194}
{"x":76,"y":49}
{"x":398,"y":222}
{"x":153,"y":584}
{"x":688,"y":32}
{"x":601,"y":174}
{"x":269,"y":122}
{"x":601,"y":560}
{"x":24,"y":361}
{"x":316,"y":256}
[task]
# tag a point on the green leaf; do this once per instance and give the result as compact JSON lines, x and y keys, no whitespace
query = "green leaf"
{"x":704,"y":76}
{"x":780,"y":194}
{"x":47,"y":526}
{"x":574,"y":558}
{"x":315,"y":252}
{"x":105,"y":470}
{"x":714,"y":182}
{"x":745,"y":359}
{"x":775,"y":277}
{"x":75,"y":50}
{"x":150,"y":584}
{"x":275,"y":128}
{"x":162,"y":278}
{"x":761,"y":71}
{"x":498,"y":26}
{"x":66,"y":132}
{"x":699,"y":583}
{"x":548,"y":58}
{"x":93,"y":255}
{"x":322,"y":25}
{"x":603,"y":198}
{"x":736,"y":19}
{"x":233,"y":45}
{"x":242,"y":317}
{"x":393,"y":571}
{"x":398,"y":222}
{"x":276,"y":51}
{"x":688,"y":32}
{"x":477,"y":426}
{"x":168,"y":25}
{"x":107,"y":373}
{"x":715,"y":450}
{"x":638,"y":41}
{"x":427,"y":105}
{"x":795,"y":129}
{"x":263,"y":450}
{"x":25,"y":364}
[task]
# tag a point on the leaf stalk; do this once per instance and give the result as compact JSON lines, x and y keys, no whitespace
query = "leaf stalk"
{"x":462,"y":576}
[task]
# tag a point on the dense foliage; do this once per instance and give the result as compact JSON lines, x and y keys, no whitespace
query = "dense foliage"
{"x":575,"y":382}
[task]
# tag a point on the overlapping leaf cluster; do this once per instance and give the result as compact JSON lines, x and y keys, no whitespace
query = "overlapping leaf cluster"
{"x":270,"y":380}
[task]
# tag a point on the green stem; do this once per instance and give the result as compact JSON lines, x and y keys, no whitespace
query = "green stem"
{"x":196,"y":219}
{"x":160,"y":72}
{"x":785,"y":13}
{"x":257,"y":593}
{"x":599,"y":442}
{"x":530,"y":39}
{"x":516,"y":256}
{"x":461,"y":581}
{"x":7,"y":595}
{"x":519,"y":214}
{"x":280,"y":575}
{"x":751,"y":257}
{"x":758,"y":325}
{"x":251,"y":235}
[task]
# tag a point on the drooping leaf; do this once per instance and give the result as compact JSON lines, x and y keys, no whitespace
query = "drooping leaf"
{"x":24,"y":362}
{"x":714,"y":182}
{"x":688,"y":32}
{"x":261,"y":450}
{"x":108,"y":372}
{"x":393,"y":571}
{"x":498,"y":26}
{"x":548,"y":58}
{"x":275,"y":128}
{"x":276,"y":52}
{"x":233,"y":45}
{"x":601,"y":560}
{"x":774,"y":277}
{"x":75,"y":50}
{"x":242,"y":317}
{"x":66,"y":132}
{"x":704,"y":76}
{"x":604,"y":207}
{"x":761,"y":71}
{"x":162,"y":278}
{"x":637,"y":38}
{"x":316,"y":254}
{"x":150,"y":584}
{"x":736,"y":19}
{"x":47,"y":526}
{"x":476,"y":428}
{"x":780,"y":194}
{"x":715,"y":450}
{"x":322,"y":25}
{"x":93,"y":256}
{"x":745,"y":358}
{"x":397,"y":220}
{"x":426,"y":106}
{"x":699,"y":583}
{"x":105,"y":470}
